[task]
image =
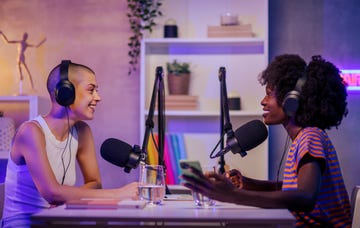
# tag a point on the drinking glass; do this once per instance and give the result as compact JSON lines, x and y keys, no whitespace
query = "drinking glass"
{"x":199,"y":199}
{"x":152,"y":184}
{"x":202,"y":201}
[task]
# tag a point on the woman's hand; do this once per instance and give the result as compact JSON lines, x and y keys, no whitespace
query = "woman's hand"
{"x":213,"y":185}
{"x":235,"y":177}
{"x":129,"y":191}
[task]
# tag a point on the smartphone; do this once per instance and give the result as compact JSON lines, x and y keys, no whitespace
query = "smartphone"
{"x":186,"y":164}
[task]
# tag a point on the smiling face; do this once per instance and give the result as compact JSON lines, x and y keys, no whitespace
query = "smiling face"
{"x":86,"y":94}
{"x":273,"y":111}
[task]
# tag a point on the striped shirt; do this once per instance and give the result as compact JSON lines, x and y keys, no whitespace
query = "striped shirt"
{"x":332,"y":207}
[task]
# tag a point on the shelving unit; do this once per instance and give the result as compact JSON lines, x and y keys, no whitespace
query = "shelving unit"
{"x":243,"y":58}
{"x":22,"y":108}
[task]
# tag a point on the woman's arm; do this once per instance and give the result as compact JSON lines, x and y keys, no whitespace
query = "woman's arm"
{"x":29,"y":148}
{"x":86,"y":156}
{"x":220,"y":188}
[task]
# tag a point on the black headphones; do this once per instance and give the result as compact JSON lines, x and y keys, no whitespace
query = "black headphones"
{"x":65,"y":90}
{"x":291,"y":100}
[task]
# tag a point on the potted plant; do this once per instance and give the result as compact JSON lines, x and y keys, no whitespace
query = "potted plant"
{"x":178,"y":76}
{"x":141,"y":18}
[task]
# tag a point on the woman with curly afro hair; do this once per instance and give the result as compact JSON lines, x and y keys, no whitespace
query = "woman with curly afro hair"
{"x":306,"y":100}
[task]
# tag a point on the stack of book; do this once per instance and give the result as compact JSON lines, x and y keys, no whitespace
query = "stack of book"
{"x":230,"y":31}
{"x":181,"y":102}
{"x":174,"y":151}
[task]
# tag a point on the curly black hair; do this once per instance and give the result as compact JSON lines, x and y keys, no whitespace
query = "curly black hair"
{"x":323,"y":97}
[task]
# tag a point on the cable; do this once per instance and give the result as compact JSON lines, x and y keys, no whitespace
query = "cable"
{"x":216,"y":146}
{"x":68,"y":142}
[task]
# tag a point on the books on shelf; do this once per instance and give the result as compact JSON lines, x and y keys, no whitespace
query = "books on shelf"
{"x":174,"y":150}
{"x":181,"y":102}
{"x":231,"y":31}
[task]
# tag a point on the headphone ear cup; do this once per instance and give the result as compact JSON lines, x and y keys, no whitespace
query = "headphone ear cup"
{"x":65,"y":93}
{"x":291,"y":103}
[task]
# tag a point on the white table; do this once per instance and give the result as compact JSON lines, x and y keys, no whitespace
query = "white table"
{"x":170,"y":214}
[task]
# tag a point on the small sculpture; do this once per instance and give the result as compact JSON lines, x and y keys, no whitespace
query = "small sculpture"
{"x":22,"y":46}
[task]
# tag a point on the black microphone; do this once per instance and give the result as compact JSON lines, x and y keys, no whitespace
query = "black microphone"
{"x":246,"y":137}
{"x":121,"y":154}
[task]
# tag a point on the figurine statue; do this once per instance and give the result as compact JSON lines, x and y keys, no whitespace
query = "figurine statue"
{"x":22,"y":46}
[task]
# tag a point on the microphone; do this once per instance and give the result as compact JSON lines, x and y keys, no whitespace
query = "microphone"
{"x":121,"y":154}
{"x":246,"y":137}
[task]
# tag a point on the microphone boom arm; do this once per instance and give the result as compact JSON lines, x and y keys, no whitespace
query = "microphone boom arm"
{"x":149,"y":124}
{"x":225,"y":124}
{"x":225,"y":116}
{"x":224,"y":104}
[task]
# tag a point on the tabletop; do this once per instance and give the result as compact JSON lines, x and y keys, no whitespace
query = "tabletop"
{"x":171,"y":213}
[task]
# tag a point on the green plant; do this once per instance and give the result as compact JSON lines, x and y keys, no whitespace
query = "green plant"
{"x":177,"y":68}
{"x":141,"y":18}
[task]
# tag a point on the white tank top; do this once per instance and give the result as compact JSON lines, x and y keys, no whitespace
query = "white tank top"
{"x":21,"y":195}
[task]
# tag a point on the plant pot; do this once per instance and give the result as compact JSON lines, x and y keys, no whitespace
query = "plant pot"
{"x":178,"y":84}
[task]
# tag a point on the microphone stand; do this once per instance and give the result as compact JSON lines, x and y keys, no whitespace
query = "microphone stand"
{"x":161,"y":121}
{"x":225,"y":124}
{"x":161,"y":115}
{"x":159,"y":90}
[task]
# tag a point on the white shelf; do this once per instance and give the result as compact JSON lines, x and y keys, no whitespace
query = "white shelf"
{"x":204,"y":41}
{"x":22,"y":108}
{"x":205,"y":62}
{"x":243,"y":58}
{"x":191,"y":113}
{"x":242,"y":62}
{"x":196,"y":42}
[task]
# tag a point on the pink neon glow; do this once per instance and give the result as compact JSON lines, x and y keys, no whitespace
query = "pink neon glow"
{"x":352,"y":78}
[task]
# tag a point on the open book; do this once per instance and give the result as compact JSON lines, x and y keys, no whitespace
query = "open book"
{"x":98,"y":203}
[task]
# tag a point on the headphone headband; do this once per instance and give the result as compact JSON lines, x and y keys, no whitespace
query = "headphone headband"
{"x":64,"y":69}
{"x":300,"y":83}
{"x":65,"y":90}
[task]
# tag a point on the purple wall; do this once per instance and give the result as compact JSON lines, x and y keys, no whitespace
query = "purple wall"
{"x":329,"y":28}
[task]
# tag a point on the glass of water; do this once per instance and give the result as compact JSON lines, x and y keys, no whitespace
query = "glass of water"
{"x":202,"y":201}
{"x":199,"y":199}
{"x":152,"y":184}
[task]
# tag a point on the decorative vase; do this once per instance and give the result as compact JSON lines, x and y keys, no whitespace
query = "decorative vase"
{"x":179,"y":84}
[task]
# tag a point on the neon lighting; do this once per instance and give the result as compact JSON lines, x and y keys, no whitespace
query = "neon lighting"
{"x":352,"y":78}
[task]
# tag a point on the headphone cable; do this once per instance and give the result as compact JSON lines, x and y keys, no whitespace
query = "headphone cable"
{"x":68,"y":142}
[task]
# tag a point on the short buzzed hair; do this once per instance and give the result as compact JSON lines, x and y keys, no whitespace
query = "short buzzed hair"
{"x":54,"y":76}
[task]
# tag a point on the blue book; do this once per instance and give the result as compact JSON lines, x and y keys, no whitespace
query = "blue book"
{"x":182,"y":148}
{"x":176,"y":151}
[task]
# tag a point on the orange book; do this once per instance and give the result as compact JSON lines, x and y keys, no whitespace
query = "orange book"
{"x":152,"y":153}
